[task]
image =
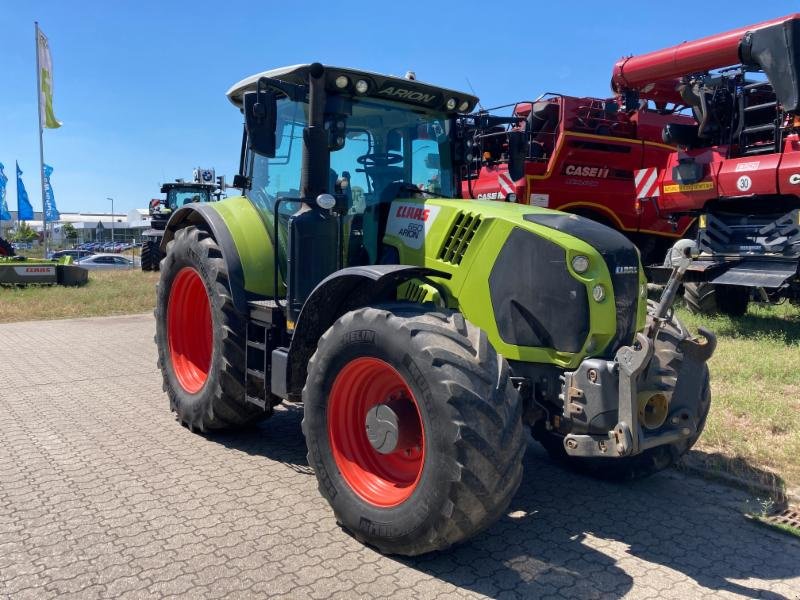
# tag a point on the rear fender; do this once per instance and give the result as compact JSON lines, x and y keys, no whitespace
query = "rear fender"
{"x":341,"y":292}
{"x":246,"y":246}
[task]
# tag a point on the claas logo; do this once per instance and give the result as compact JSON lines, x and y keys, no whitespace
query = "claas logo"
{"x":417,"y":213}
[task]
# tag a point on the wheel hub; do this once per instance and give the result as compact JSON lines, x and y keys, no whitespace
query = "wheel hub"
{"x":392,"y":426}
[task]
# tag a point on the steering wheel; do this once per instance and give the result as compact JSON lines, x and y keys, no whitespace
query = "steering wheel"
{"x":379,"y":159}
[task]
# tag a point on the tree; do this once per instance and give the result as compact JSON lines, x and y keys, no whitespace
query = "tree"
{"x":69,"y":231}
{"x":24,"y":233}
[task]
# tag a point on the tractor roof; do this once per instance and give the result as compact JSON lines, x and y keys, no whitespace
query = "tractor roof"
{"x":386,"y":87}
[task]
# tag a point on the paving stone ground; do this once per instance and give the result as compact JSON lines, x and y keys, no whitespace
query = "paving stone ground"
{"x":103,"y":494}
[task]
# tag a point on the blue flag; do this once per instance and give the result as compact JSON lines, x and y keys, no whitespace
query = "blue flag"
{"x":4,"y":214}
{"x":24,"y":208}
{"x":50,"y":211}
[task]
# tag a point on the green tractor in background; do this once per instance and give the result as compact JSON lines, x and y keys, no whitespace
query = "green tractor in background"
{"x":421,"y":332}
{"x":204,"y":188}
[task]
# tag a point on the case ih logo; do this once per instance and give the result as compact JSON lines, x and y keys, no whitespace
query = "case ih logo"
{"x":37,"y":269}
{"x":398,"y":93}
{"x":580,"y":171}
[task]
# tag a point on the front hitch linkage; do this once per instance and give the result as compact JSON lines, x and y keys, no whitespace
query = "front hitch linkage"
{"x":627,"y":437}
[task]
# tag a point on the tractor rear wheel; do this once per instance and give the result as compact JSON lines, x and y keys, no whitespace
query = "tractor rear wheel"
{"x":413,"y":427}
{"x":707,"y":298}
{"x":661,"y":374}
{"x":201,"y":336}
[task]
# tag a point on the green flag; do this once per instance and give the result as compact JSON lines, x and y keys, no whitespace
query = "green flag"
{"x":48,"y":119}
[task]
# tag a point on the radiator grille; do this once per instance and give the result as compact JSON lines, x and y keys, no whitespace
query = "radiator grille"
{"x":459,"y":237}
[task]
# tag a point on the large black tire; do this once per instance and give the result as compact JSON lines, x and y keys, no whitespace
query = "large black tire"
{"x":6,"y":249}
{"x":707,"y":298}
{"x":206,"y":329}
{"x":661,"y":374}
{"x":151,"y":256}
{"x":470,"y":416}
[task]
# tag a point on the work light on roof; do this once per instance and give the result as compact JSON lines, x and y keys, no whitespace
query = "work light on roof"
{"x":451,"y":103}
{"x":463,"y":107}
{"x":362,"y":86}
{"x":342,"y":82}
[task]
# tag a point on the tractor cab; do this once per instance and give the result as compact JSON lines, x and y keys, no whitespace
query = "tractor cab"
{"x":325,"y":152}
{"x":181,"y":193}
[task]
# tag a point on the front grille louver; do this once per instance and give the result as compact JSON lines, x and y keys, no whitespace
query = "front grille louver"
{"x":459,"y":238}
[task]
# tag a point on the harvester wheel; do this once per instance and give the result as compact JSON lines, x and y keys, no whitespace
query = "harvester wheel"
{"x":201,"y":336}
{"x":707,"y":298}
{"x":732,"y":300}
{"x":6,"y":249}
{"x":413,"y":427}
{"x":661,"y":374}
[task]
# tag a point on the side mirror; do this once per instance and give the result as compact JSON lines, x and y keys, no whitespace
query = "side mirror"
{"x":260,"y":120}
{"x":516,"y":154}
{"x":241,"y":182}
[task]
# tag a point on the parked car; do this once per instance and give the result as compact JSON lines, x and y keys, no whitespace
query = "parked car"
{"x":75,"y":254}
{"x":106,"y":261}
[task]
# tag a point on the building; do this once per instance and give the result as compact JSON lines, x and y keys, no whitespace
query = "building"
{"x":90,"y":226}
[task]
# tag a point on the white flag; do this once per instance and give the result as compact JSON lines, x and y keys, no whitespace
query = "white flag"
{"x":48,"y":117}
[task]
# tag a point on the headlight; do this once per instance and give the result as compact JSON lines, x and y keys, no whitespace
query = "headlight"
{"x":580,"y":264}
{"x":599,"y":293}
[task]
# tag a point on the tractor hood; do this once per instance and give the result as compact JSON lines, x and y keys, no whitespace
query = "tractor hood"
{"x":518,"y":260}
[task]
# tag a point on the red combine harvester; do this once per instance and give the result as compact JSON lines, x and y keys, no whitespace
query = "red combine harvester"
{"x":738,"y":167}
{"x":578,"y":155}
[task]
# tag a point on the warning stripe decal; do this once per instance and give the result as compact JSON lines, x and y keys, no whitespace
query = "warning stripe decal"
{"x":646,"y":182}
{"x":505,"y":183}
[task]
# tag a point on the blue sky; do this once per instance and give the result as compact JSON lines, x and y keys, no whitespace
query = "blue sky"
{"x":140,"y":85}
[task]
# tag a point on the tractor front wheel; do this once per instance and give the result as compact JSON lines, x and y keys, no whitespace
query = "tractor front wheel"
{"x":151,"y":256}
{"x":413,"y":427}
{"x":201,"y":336}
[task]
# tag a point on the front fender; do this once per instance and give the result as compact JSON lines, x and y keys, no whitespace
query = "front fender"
{"x":340,"y":292}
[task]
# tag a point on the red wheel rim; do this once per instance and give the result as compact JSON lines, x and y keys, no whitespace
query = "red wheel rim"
{"x":189,"y":331}
{"x":382,"y":480}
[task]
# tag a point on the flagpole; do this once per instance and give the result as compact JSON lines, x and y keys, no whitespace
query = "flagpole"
{"x":41,"y":145}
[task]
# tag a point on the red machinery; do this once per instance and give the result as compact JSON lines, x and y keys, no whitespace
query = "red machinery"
{"x":579,"y":155}
{"x":738,"y":167}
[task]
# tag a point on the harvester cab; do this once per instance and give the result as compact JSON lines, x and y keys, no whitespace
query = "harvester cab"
{"x":737,"y":168}
{"x":176,"y":194}
{"x":421,"y":332}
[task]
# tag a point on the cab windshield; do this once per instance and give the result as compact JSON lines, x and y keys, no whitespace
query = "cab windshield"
{"x":379,"y":151}
{"x":177,"y":197}
{"x":385,"y":149}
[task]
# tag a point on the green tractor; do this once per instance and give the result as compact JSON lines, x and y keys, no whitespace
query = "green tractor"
{"x":421,"y":332}
{"x":176,"y":194}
